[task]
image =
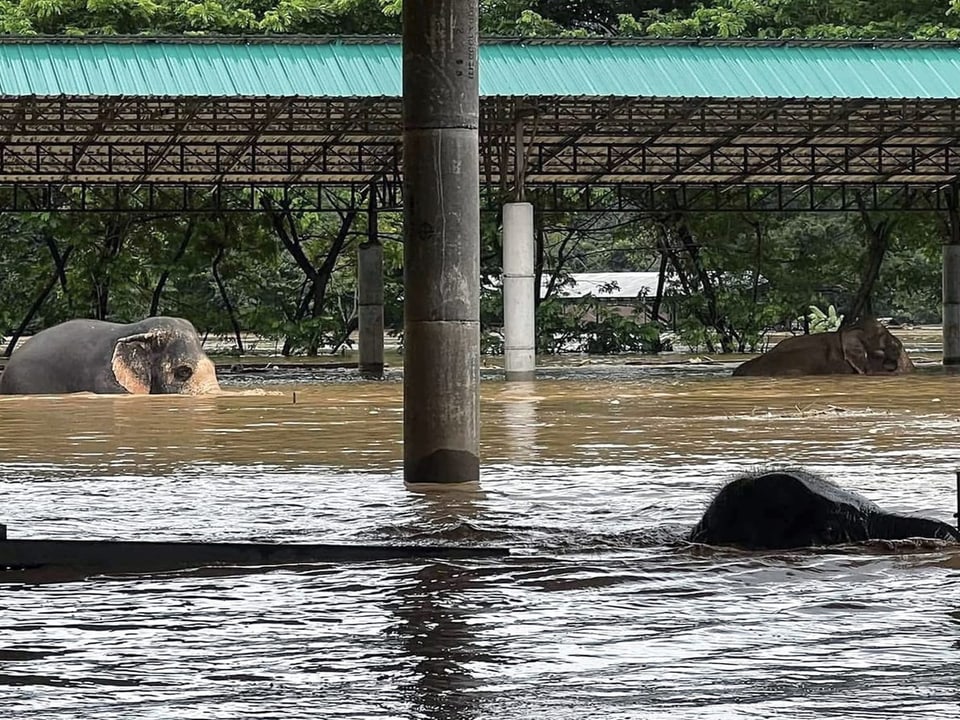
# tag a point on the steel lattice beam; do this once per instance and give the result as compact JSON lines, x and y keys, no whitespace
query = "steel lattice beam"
{"x":588,"y":163}
{"x":557,"y":197}
{"x":612,"y":147}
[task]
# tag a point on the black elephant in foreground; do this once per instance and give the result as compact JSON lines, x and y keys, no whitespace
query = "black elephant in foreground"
{"x":784,"y":509}
{"x":864,"y":348}
{"x":154,"y":356}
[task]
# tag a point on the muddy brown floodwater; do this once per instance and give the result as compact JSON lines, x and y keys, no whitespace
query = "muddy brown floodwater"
{"x":587,"y":473}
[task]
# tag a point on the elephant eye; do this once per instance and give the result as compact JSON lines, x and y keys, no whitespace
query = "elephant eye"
{"x":183,"y":373}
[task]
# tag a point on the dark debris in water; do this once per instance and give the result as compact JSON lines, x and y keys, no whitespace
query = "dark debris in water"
{"x":12,"y":655}
{"x":320,"y":374}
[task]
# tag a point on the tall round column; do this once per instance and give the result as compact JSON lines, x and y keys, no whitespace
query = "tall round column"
{"x":951,"y":304}
{"x":441,"y":230}
{"x":519,"y":300}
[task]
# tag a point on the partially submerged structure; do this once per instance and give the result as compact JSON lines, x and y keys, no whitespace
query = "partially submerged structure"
{"x":631,"y":294}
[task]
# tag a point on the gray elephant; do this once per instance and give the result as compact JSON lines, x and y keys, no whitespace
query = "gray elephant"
{"x":865,"y":348}
{"x":779,"y":510}
{"x":157,"y":355}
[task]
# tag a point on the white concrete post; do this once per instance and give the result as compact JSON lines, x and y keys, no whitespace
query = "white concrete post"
{"x":951,"y":304}
{"x":519,"y":301}
{"x":370,"y":308}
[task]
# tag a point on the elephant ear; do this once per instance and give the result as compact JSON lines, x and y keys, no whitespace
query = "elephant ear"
{"x":854,"y":350}
{"x":132,"y":361}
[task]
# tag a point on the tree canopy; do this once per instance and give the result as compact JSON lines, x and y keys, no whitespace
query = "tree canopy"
{"x":289,"y":275}
{"x":657,"y":18}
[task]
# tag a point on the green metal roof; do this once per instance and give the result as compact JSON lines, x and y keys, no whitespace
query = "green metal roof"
{"x":331,"y":67}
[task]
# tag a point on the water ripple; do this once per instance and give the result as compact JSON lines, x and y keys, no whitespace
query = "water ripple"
{"x":600,"y":610}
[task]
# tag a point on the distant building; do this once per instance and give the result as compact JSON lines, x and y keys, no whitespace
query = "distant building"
{"x":627,"y":293}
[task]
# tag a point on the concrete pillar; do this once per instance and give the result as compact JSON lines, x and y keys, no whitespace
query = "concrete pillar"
{"x":951,"y":304}
{"x":370,"y":308}
{"x":441,"y":230}
{"x":519,"y":300}
{"x":951,"y":283}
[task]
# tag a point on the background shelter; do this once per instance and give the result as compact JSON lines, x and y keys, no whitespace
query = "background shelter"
{"x":199,"y":124}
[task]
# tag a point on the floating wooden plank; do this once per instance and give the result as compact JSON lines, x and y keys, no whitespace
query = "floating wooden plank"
{"x":85,"y":557}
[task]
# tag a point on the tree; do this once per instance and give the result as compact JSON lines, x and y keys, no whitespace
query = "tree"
{"x":166,"y":17}
{"x":287,"y":274}
{"x":799,"y":18}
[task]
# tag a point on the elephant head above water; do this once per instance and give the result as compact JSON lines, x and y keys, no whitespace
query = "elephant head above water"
{"x":780,"y":510}
{"x":158,"y":355}
{"x":865,"y":348}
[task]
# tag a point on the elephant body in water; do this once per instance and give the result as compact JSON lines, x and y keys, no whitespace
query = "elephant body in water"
{"x":157,"y":355}
{"x":786,"y":509}
{"x":866,"y":348}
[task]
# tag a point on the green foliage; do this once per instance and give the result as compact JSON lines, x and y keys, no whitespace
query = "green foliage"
{"x":767,"y":270}
{"x":491,"y":316}
{"x":614,"y":333}
{"x":821,"y":321}
{"x":586,"y":325}
{"x":161,"y":17}
{"x":666,"y":18}
{"x":796,"y":18}
{"x":761,"y":271}
{"x":557,"y":329}
{"x":909,"y":288}
{"x":120,"y":265}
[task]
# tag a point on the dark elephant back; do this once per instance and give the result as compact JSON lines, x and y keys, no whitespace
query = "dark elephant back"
{"x":787,"y":509}
{"x":155,"y":355}
{"x":818,"y":354}
{"x":70,"y":357}
{"x":782,"y":510}
{"x":865,"y":348}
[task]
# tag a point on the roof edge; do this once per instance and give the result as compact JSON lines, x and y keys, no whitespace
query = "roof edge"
{"x":484,"y":40}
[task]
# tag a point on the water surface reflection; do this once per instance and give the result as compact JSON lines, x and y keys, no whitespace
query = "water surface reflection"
{"x":586,"y":473}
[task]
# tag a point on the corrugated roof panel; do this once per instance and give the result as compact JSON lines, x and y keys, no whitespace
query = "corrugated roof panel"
{"x":204,"y":69}
{"x":373,"y":69}
{"x":722,"y":71}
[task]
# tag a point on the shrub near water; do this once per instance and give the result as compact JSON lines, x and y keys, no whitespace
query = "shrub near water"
{"x":587,"y":326}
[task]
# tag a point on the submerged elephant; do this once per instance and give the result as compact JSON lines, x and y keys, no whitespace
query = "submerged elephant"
{"x":157,"y":355}
{"x":786,"y":509}
{"x":866,"y":348}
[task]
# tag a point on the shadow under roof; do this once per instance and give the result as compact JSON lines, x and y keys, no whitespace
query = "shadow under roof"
{"x":643,"y":116}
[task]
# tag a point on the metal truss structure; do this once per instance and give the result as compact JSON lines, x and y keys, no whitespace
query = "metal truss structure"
{"x":556,"y":198}
{"x":201,"y":154}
